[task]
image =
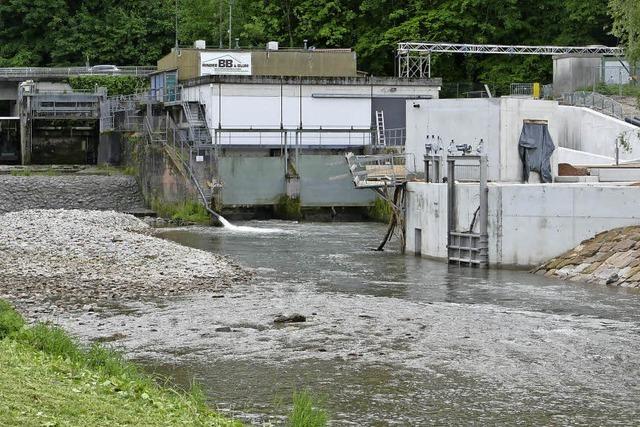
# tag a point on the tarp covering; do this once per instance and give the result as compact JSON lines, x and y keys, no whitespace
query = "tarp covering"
{"x":535,"y":148}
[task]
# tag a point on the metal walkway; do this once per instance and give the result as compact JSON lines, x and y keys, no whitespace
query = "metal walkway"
{"x":380,"y":170}
{"x":387,"y":175}
{"x":26,"y":73}
{"x":414,"y":58}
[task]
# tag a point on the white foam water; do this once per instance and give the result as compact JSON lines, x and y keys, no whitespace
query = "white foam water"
{"x":245,"y":229}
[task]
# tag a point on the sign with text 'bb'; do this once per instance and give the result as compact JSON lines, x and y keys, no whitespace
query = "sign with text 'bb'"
{"x":225,"y":63}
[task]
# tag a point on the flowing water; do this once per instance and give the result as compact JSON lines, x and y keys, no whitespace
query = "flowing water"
{"x":389,"y":339}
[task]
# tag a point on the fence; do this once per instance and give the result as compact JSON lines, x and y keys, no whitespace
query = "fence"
{"x":594,"y":101}
{"x":29,"y":72}
{"x":395,"y":137}
{"x":521,"y":89}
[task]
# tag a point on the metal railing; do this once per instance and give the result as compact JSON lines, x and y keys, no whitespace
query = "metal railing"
{"x":320,"y":137}
{"x":594,"y":101}
{"x":27,"y":72}
{"x":395,"y":137}
{"x":521,"y":89}
{"x":381,"y":170}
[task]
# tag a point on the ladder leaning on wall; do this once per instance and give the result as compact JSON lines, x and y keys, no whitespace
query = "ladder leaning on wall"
{"x":380,"y":128}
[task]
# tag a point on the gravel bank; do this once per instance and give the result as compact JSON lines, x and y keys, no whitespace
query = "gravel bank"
{"x":89,"y":256}
{"x":104,"y":193}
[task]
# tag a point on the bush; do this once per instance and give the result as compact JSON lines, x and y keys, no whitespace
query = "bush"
{"x":10,"y":321}
{"x":116,"y":85}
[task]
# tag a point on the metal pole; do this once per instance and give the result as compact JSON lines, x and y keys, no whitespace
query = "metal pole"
{"x":426,"y":169}
{"x":451,"y":199}
{"x":230,"y":10}
{"x":484,"y":212}
{"x":220,"y":19}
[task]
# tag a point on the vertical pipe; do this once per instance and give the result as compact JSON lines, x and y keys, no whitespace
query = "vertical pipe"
{"x":451,"y":199}
{"x":219,"y":105}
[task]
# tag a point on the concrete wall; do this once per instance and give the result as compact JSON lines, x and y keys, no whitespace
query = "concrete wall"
{"x":497,"y":121}
{"x":587,"y":130}
{"x":157,"y":176}
{"x":120,"y":193}
{"x":528,"y":224}
{"x":573,"y":72}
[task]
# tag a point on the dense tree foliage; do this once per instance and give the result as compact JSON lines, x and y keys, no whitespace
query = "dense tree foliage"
{"x":626,"y":25}
{"x":61,"y":32}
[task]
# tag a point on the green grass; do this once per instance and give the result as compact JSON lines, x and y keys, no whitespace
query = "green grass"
{"x":47,"y":379}
{"x":187,"y":211}
{"x":304,"y":414}
{"x":381,"y":211}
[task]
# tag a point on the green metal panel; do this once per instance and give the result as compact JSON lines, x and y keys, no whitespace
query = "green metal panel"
{"x":251,"y":180}
{"x":325,"y":181}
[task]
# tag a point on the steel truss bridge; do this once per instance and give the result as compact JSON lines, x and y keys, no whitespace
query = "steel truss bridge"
{"x":414,"y":59}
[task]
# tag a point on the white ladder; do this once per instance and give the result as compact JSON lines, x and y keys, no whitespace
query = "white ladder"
{"x":380,"y":127}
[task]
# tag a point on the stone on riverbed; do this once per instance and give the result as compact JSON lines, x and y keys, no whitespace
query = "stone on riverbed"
{"x":93,"y":255}
{"x":294,"y":318}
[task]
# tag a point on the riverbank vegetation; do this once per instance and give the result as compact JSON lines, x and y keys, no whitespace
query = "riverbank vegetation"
{"x":381,"y":211}
{"x":48,"y":379}
{"x":187,"y":211}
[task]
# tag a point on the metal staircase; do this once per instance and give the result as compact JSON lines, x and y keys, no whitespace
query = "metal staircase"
{"x":196,"y":122}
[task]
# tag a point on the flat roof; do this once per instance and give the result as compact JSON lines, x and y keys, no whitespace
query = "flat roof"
{"x":351,"y":81}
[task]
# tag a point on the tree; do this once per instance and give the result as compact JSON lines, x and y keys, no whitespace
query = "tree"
{"x":626,"y":26}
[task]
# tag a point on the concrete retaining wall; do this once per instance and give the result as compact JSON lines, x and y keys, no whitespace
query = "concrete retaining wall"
{"x":528,"y":224}
{"x":119,"y":193}
{"x":157,"y":176}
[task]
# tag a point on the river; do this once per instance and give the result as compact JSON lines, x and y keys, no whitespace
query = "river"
{"x":389,"y":339}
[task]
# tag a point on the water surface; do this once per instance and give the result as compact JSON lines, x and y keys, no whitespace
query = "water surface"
{"x":389,"y":339}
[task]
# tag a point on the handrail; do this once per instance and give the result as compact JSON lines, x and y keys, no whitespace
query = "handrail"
{"x":595,"y":101}
{"x":171,"y":125}
{"x":141,"y":71}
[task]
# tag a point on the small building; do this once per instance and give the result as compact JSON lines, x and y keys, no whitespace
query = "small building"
{"x":281,"y":120}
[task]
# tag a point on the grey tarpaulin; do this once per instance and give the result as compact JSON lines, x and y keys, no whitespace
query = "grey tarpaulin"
{"x":535,"y":148}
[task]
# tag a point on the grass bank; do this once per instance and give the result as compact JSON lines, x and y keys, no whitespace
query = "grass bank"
{"x":47,"y":379}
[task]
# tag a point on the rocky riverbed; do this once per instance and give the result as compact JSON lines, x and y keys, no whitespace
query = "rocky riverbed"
{"x":52,"y":259}
{"x":610,"y":258}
